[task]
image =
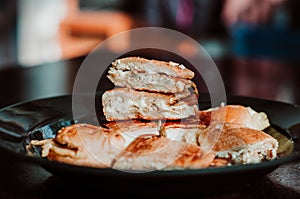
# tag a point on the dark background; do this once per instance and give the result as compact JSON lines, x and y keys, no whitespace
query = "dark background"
{"x":255,"y":60}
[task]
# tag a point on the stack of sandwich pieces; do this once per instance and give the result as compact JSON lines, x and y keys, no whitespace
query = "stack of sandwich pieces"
{"x":153,"y":123}
{"x":150,"y":90}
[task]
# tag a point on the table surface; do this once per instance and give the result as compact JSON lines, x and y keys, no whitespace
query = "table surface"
{"x":275,"y":80}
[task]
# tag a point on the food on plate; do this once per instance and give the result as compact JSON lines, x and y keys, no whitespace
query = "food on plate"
{"x":93,"y":146}
{"x":237,"y":115}
{"x":154,"y":152}
{"x":149,"y":89}
{"x":82,"y":144}
{"x":153,"y":122}
{"x":151,"y":75}
{"x":239,"y":145}
{"x":104,"y":146}
{"x":126,"y":103}
{"x":231,"y":115}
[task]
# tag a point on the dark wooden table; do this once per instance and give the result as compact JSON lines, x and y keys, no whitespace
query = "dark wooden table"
{"x":275,"y":80}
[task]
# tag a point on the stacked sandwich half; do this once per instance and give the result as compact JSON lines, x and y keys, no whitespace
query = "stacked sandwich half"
{"x":149,"y":90}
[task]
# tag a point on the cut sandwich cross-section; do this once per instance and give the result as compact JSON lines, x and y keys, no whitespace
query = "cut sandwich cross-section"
{"x":125,"y":104}
{"x":149,"y":89}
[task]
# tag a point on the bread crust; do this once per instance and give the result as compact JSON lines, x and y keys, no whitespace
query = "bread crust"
{"x":86,"y":145}
{"x":237,"y":115}
{"x":152,"y":152}
{"x":153,"y":66}
{"x":240,"y":144}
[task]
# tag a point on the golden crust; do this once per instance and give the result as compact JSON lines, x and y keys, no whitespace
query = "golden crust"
{"x":86,"y":145}
{"x":152,"y":152}
{"x":141,"y":64}
{"x":131,"y":125}
{"x":70,"y":135}
{"x":236,"y":115}
{"x":240,"y":145}
{"x":228,"y":138}
{"x":88,"y":161}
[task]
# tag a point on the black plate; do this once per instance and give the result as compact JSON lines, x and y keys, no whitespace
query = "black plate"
{"x":29,"y":120}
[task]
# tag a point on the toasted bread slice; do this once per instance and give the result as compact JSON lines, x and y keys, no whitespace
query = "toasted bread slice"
{"x":151,"y":66}
{"x":84,"y":145}
{"x":241,"y":145}
{"x":236,"y":115}
{"x":152,"y":152}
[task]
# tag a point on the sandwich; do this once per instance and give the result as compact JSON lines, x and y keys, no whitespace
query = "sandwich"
{"x":149,"y":90}
{"x":152,"y":152}
{"x":82,"y":145}
{"x":236,"y":115}
{"x":126,"y":103}
{"x":239,"y":145}
{"x":232,"y":115}
{"x":234,"y":132}
{"x":151,"y":75}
